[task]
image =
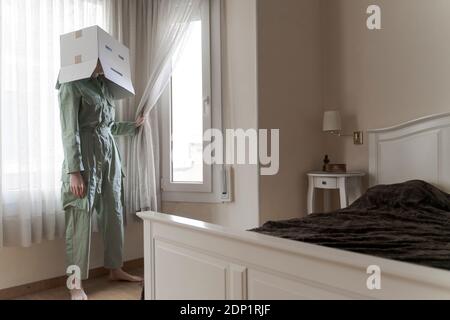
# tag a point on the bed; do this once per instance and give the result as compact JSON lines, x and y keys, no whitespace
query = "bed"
{"x":191,"y":260}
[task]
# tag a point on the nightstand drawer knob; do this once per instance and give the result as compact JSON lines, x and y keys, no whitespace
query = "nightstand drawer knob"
{"x":325,"y":183}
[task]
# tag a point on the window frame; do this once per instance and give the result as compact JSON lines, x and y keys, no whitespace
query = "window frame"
{"x":210,"y":190}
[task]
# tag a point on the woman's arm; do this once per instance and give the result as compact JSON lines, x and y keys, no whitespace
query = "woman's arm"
{"x":127,"y":128}
{"x":69,"y":101}
{"x":124,"y":129}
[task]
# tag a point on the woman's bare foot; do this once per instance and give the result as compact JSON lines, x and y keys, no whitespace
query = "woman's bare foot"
{"x":78,"y":294}
{"x":120,"y":275}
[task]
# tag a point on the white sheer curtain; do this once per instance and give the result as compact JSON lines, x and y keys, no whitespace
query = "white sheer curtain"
{"x":30,"y":141}
{"x":132,"y":25}
{"x":168,"y":31}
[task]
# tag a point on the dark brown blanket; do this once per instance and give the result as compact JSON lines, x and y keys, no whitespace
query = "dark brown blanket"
{"x":408,"y":222}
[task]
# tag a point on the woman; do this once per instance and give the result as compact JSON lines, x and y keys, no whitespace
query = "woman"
{"x":92,"y":174}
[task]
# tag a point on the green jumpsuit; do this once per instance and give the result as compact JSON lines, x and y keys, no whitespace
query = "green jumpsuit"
{"x":88,"y":126}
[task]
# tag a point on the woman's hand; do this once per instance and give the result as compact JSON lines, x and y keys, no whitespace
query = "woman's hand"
{"x":140,"y":121}
{"x":77,"y":186}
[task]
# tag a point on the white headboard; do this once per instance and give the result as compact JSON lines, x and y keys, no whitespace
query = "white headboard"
{"x":419,"y":149}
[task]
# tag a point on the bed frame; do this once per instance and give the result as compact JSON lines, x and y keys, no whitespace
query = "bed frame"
{"x":190,"y":260}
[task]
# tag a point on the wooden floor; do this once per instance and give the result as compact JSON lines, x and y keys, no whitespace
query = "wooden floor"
{"x":96,"y":289}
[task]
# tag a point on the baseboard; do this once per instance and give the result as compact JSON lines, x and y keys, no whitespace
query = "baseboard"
{"x":20,"y":291}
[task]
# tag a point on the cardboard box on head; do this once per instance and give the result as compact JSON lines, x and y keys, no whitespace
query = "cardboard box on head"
{"x":80,"y":52}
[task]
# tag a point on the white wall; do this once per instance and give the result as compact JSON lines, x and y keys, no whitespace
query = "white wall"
{"x":290,"y":78}
{"x":383,"y":78}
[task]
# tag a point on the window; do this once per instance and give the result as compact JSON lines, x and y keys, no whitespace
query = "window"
{"x":192,"y":105}
{"x":187,"y":111}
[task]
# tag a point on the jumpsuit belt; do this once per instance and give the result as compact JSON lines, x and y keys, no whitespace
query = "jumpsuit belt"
{"x":102,"y":146}
{"x":101,"y":130}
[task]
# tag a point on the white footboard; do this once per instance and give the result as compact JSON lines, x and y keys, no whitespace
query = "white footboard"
{"x":191,"y":260}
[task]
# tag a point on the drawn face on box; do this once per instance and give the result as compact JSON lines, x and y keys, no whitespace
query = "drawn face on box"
{"x":82,"y":50}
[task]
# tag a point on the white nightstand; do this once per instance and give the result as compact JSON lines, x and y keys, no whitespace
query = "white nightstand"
{"x":349,"y":186}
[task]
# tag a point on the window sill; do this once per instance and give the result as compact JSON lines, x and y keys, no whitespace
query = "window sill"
{"x":187,"y":197}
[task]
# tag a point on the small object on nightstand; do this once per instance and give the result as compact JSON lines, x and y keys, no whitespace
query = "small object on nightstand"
{"x":349,"y":185}
{"x":336,"y":168}
{"x":326,"y":161}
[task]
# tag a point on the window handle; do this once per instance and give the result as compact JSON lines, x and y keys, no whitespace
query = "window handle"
{"x":206,"y":105}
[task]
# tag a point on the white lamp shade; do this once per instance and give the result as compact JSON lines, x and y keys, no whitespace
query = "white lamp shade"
{"x":332,"y":121}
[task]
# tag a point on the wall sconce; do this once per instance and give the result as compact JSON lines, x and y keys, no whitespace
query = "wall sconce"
{"x":332,"y":123}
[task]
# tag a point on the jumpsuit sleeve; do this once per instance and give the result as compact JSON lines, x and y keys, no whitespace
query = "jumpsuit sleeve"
{"x":124,"y":129}
{"x":70,"y":101}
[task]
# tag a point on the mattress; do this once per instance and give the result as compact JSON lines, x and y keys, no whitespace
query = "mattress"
{"x":408,"y":222}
